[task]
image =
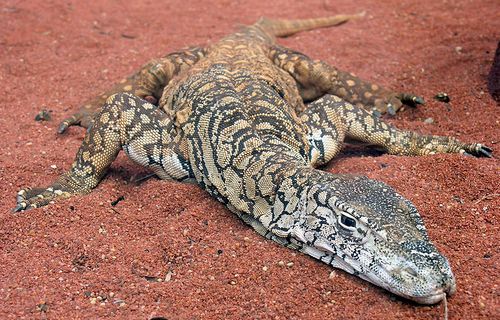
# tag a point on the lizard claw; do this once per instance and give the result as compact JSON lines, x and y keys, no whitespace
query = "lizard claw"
{"x":477,"y":150}
{"x":390,"y":105}
{"x":411,"y":100}
{"x":77,"y":119}
{"x":484,"y":151}
{"x":19,"y":207}
{"x":390,"y":109}
{"x":63,"y":126}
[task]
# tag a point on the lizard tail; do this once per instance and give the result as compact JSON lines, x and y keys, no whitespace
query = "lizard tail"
{"x":284,"y":28}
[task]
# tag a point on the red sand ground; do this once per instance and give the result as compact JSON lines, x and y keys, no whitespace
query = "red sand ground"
{"x":82,"y":258}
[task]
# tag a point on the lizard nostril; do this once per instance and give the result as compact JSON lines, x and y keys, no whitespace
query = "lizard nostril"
{"x":410,"y":271}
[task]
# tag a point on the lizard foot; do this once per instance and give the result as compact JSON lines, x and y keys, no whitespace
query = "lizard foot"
{"x":477,"y":150}
{"x":395,"y":102}
{"x":30,"y":198}
{"x":410,"y":99}
{"x":412,"y":143}
{"x":78,"y":119}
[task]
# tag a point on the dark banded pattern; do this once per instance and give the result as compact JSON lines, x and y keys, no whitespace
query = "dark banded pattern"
{"x":251,"y":121}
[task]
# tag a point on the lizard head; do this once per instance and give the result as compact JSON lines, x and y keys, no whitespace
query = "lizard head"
{"x":365,"y":228}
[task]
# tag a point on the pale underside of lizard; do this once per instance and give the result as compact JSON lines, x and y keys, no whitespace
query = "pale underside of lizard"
{"x":250,"y":121}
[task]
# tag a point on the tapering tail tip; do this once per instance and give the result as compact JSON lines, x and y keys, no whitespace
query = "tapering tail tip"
{"x":284,"y":28}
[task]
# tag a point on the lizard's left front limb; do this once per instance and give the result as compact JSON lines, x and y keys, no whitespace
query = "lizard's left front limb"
{"x":125,"y":122}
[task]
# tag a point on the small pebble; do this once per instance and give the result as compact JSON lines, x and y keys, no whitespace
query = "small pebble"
{"x":429,"y":121}
{"x":53,"y":166}
{"x":289,"y":264}
{"x":43,"y":115}
{"x":93,"y":300}
{"x":265,"y":268}
{"x":102,"y":230}
{"x":332,"y":275}
{"x":281,"y":263}
{"x":42,"y":306}
{"x":168,"y":276}
{"x":442,"y":97}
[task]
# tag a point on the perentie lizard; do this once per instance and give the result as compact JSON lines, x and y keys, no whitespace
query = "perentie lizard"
{"x":251,"y":121}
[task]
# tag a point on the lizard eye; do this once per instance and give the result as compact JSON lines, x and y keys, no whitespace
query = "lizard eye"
{"x":347,"y":221}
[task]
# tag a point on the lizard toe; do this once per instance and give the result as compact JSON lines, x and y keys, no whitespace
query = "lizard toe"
{"x":390,"y":109}
{"x":30,"y":198}
{"x":485,"y":151}
{"x":77,"y":119}
{"x":411,"y":99}
{"x":478,"y":150}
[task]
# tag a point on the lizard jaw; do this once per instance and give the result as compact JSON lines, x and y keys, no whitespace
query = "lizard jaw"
{"x":431,"y":297}
{"x":435,"y":297}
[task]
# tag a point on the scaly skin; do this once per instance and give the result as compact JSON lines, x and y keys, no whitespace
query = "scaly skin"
{"x":250,"y":121}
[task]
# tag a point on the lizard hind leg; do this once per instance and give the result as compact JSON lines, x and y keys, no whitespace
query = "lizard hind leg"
{"x":84,"y":117}
{"x":127,"y":122}
{"x":147,"y":83}
{"x":316,"y":78}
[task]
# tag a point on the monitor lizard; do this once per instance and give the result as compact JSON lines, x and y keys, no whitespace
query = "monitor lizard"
{"x":251,"y":121}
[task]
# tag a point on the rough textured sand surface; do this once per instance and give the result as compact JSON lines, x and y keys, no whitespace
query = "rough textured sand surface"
{"x":168,"y":249}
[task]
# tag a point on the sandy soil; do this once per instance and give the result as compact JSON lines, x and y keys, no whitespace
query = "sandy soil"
{"x":169,"y":250}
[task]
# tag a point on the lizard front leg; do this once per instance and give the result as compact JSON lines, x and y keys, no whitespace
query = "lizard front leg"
{"x":147,"y":83}
{"x":363,"y":126}
{"x":326,"y":132}
{"x":125,"y":122}
{"x":316,"y":78}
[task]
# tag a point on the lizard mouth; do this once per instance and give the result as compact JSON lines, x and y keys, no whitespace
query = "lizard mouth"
{"x":433,"y":297}
{"x":430,"y":299}
{"x":436,"y":296}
